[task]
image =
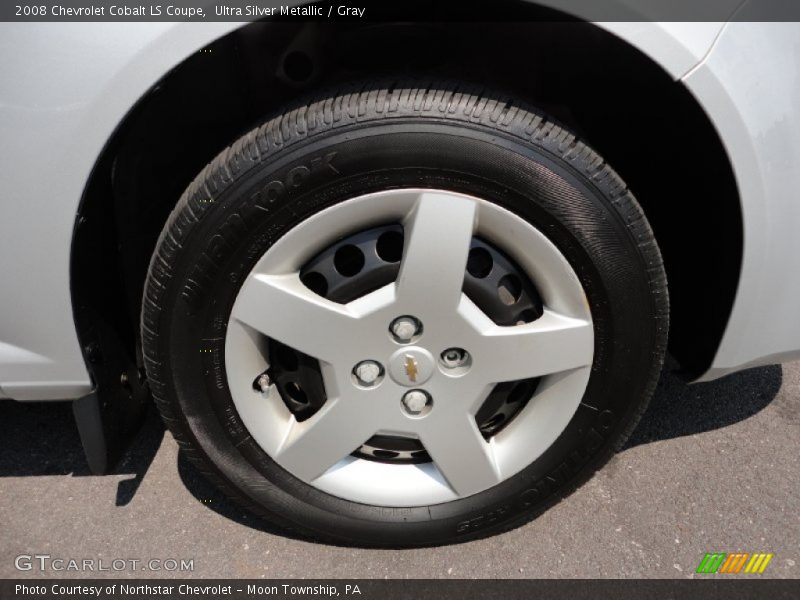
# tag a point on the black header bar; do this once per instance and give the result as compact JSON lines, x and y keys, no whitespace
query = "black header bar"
{"x":398,"y":10}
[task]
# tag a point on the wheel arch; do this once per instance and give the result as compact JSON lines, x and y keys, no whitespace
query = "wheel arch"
{"x":228,"y":76}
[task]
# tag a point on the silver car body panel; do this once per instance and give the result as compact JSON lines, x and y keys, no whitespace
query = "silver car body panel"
{"x":750,"y":87}
{"x":67,"y":86}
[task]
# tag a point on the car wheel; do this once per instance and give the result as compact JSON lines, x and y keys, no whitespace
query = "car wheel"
{"x":404,"y":314}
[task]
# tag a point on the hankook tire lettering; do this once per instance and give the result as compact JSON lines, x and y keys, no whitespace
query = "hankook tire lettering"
{"x":237,"y":223}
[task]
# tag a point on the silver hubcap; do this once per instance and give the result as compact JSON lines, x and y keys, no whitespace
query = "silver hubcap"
{"x":442,"y":346}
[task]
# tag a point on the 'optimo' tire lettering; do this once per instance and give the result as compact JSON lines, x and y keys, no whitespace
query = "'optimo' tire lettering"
{"x":549,"y":483}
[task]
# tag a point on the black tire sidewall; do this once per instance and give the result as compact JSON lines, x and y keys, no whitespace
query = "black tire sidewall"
{"x":579,"y":216}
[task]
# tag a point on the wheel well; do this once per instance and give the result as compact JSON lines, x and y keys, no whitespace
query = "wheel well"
{"x":648,"y":127}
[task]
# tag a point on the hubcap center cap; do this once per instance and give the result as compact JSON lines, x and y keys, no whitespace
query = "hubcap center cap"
{"x":411,"y":366}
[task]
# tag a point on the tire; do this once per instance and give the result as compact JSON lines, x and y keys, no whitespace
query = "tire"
{"x":395,"y":136}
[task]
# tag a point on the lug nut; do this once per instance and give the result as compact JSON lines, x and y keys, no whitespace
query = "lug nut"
{"x":417,"y":402}
{"x":404,"y":329}
{"x":452,"y":358}
{"x":368,"y":373}
{"x":263,"y":382}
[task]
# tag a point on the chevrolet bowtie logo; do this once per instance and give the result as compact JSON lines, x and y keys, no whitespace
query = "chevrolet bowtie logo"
{"x":411,"y":368}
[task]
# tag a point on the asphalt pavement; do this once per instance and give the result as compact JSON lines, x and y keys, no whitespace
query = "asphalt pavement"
{"x":713,"y":467}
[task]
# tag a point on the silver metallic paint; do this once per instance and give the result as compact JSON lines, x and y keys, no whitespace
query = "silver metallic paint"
{"x":65,"y":87}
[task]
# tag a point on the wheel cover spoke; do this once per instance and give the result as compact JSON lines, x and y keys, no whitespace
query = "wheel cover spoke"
{"x":282,"y":308}
{"x":551,"y":344}
{"x":433,"y":272}
{"x":462,"y":455}
{"x":313,"y":446}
